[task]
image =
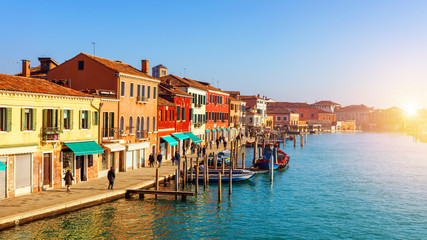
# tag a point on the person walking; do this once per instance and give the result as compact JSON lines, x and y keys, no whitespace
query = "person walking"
{"x":217,"y":143}
{"x":173,"y":160}
{"x":204,"y":151}
{"x":68,"y":179}
{"x":111,"y":176}
{"x":177,"y":157}
{"x":225,"y":144}
{"x":159,"y":158}
{"x":198,"y":151}
{"x":151,"y":160}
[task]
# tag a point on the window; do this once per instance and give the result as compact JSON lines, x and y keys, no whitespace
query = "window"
{"x":143,"y":90}
{"x":142,"y":123}
{"x":148,"y":92}
{"x":67,"y":116}
{"x":122,"y":89}
{"x":285,"y":118}
{"x":278,"y":118}
{"x":50,"y":118}
{"x":131,"y":90}
{"x":154,"y":124}
{"x":154,"y":92}
{"x":178,"y":113}
{"x":5,"y":119}
{"x":122,"y":125}
{"x":302,"y":114}
{"x":160,"y":115}
{"x":250,"y":120}
{"x":148,"y":124}
{"x":28,"y":119}
{"x":130,"y":125}
{"x":312,"y":114}
{"x":232,"y":106}
{"x":81,"y":65}
{"x":166,"y":115}
{"x":108,"y":124}
{"x":138,"y":90}
{"x":84,"y":119}
{"x":183,"y":114}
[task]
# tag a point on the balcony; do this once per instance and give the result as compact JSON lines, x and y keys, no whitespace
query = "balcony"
{"x":112,"y":133}
{"x":141,"y":99}
{"x":50,"y":134}
{"x":142,"y":134}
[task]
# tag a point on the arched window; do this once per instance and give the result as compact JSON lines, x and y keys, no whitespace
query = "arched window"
{"x":130,"y":125}
{"x":138,"y":128}
{"x":154,"y":124}
{"x":148,"y":124}
{"x":122,"y":125}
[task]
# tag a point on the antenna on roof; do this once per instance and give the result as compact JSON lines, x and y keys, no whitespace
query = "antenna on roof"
{"x":93,"y":43}
{"x":17,"y":65}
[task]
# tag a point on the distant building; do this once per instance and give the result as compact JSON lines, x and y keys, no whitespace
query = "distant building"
{"x":391,"y":119}
{"x":159,"y":71}
{"x":358,"y":113}
{"x":258,"y":105}
{"x":328,"y":106}
{"x":283,"y":118}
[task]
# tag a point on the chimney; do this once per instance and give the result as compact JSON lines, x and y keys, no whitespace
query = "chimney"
{"x":26,"y":68}
{"x":144,"y":66}
{"x":46,"y":64}
{"x":258,"y":95}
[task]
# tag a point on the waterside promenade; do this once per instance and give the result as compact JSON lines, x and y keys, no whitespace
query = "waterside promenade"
{"x":30,"y":207}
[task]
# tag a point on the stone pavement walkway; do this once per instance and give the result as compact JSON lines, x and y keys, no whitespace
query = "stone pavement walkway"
{"x":33,"y":206}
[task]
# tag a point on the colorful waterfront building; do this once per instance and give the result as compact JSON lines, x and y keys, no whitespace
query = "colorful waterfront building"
{"x":258,"y":105}
{"x":358,"y":113}
{"x":327,"y":105}
{"x":236,"y":120}
{"x":217,"y":113}
{"x":283,"y":118}
{"x":45,"y":130}
{"x":130,"y":132}
{"x":197,"y":109}
{"x":174,"y":115}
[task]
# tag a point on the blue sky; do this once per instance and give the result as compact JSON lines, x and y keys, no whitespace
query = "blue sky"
{"x":351,"y":52}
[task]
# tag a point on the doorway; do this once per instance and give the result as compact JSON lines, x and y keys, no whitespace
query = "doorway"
{"x":47,"y":169}
{"x":81,"y":163}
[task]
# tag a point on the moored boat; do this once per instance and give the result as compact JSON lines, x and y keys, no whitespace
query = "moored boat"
{"x":237,"y":176}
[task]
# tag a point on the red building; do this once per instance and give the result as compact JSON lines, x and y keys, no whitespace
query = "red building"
{"x":217,"y":113}
{"x":174,"y":118}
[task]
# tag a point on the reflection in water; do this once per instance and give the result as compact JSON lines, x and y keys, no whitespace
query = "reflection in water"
{"x":339,"y":186}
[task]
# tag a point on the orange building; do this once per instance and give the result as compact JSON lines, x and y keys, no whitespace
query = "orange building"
{"x":129,"y":126}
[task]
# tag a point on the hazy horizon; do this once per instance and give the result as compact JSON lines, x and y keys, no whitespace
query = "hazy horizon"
{"x":349,"y":52}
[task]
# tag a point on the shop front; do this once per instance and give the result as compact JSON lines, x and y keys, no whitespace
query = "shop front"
{"x":168,"y":146}
{"x":183,"y":142}
{"x":110,"y":157}
{"x":136,"y":155}
{"x":78,"y":158}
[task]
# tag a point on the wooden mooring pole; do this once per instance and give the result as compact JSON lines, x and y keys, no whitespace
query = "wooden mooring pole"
{"x":219,"y":187}
{"x":230,"y":181}
{"x":191,"y":169}
{"x":196,"y":178}
{"x":207,"y":170}
{"x":157,"y":181}
{"x":243,"y":160}
{"x":177,"y":182}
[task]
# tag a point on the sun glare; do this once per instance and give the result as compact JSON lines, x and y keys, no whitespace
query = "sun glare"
{"x":411,"y":110}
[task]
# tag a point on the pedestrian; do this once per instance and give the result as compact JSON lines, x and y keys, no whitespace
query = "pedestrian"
{"x":173,"y":160}
{"x":111,"y":176}
{"x":177,"y":157}
{"x":217,"y":143}
{"x":198,"y":151}
{"x":225,"y":144}
{"x":159,"y":158}
{"x":151,"y":160}
{"x":192,"y":148}
{"x":204,"y":151}
{"x":68,"y":179}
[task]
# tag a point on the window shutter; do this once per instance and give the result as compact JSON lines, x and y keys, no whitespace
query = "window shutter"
{"x":71,"y":119}
{"x":61,"y":119}
{"x":8,"y":119}
{"x":44,"y":117}
{"x":34,"y":120}
{"x":183,"y":114}
{"x":22,"y":119}
{"x":89,"y":122}
{"x":54,"y":118}
{"x":178,"y":113}
{"x":80,"y":119}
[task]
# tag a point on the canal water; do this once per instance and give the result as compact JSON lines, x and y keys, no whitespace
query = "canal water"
{"x":339,"y":186}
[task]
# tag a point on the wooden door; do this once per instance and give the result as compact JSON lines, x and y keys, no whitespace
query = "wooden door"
{"x":47,"y":170}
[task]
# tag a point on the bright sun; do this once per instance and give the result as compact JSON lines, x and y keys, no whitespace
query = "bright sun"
{"x":411,"y":110}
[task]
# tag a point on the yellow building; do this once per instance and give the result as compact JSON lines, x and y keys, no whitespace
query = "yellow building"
{"x":45,"y":129}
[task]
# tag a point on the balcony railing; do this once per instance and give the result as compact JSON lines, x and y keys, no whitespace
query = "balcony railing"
{"x":141,"y":134}
{"x":51,"y":133}
{"x":112,"y":133}
{"x":141,"y":99}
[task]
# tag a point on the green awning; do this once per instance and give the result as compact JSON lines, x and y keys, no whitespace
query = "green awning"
{"x":85,"y":148}
{"x":228,"y":129}
{"x":170,"y":140}
{"x":180,"y":136}
{"x":193,"y":137}
{"x":213,"y":130}
{"x":2,"y":166}
{"x":208,"y":130}
{"x":219,"y":130}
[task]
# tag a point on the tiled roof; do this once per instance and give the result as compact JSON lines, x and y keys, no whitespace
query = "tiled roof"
{"x":119,"y":66}
{"x":212,"y":88}
{"x":181,"y":82}
{"x":354,"y":108}
{"x":171,"y":90}
{"x":35,"y":72}
{"x":250,"y":97}
{"x":163,"y":102}
{"x":279,"y":110}
{"x":235,"y":99}
{"x":289,"y":105}
{"x":35,"y":85}
{"x":325,"y":103}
